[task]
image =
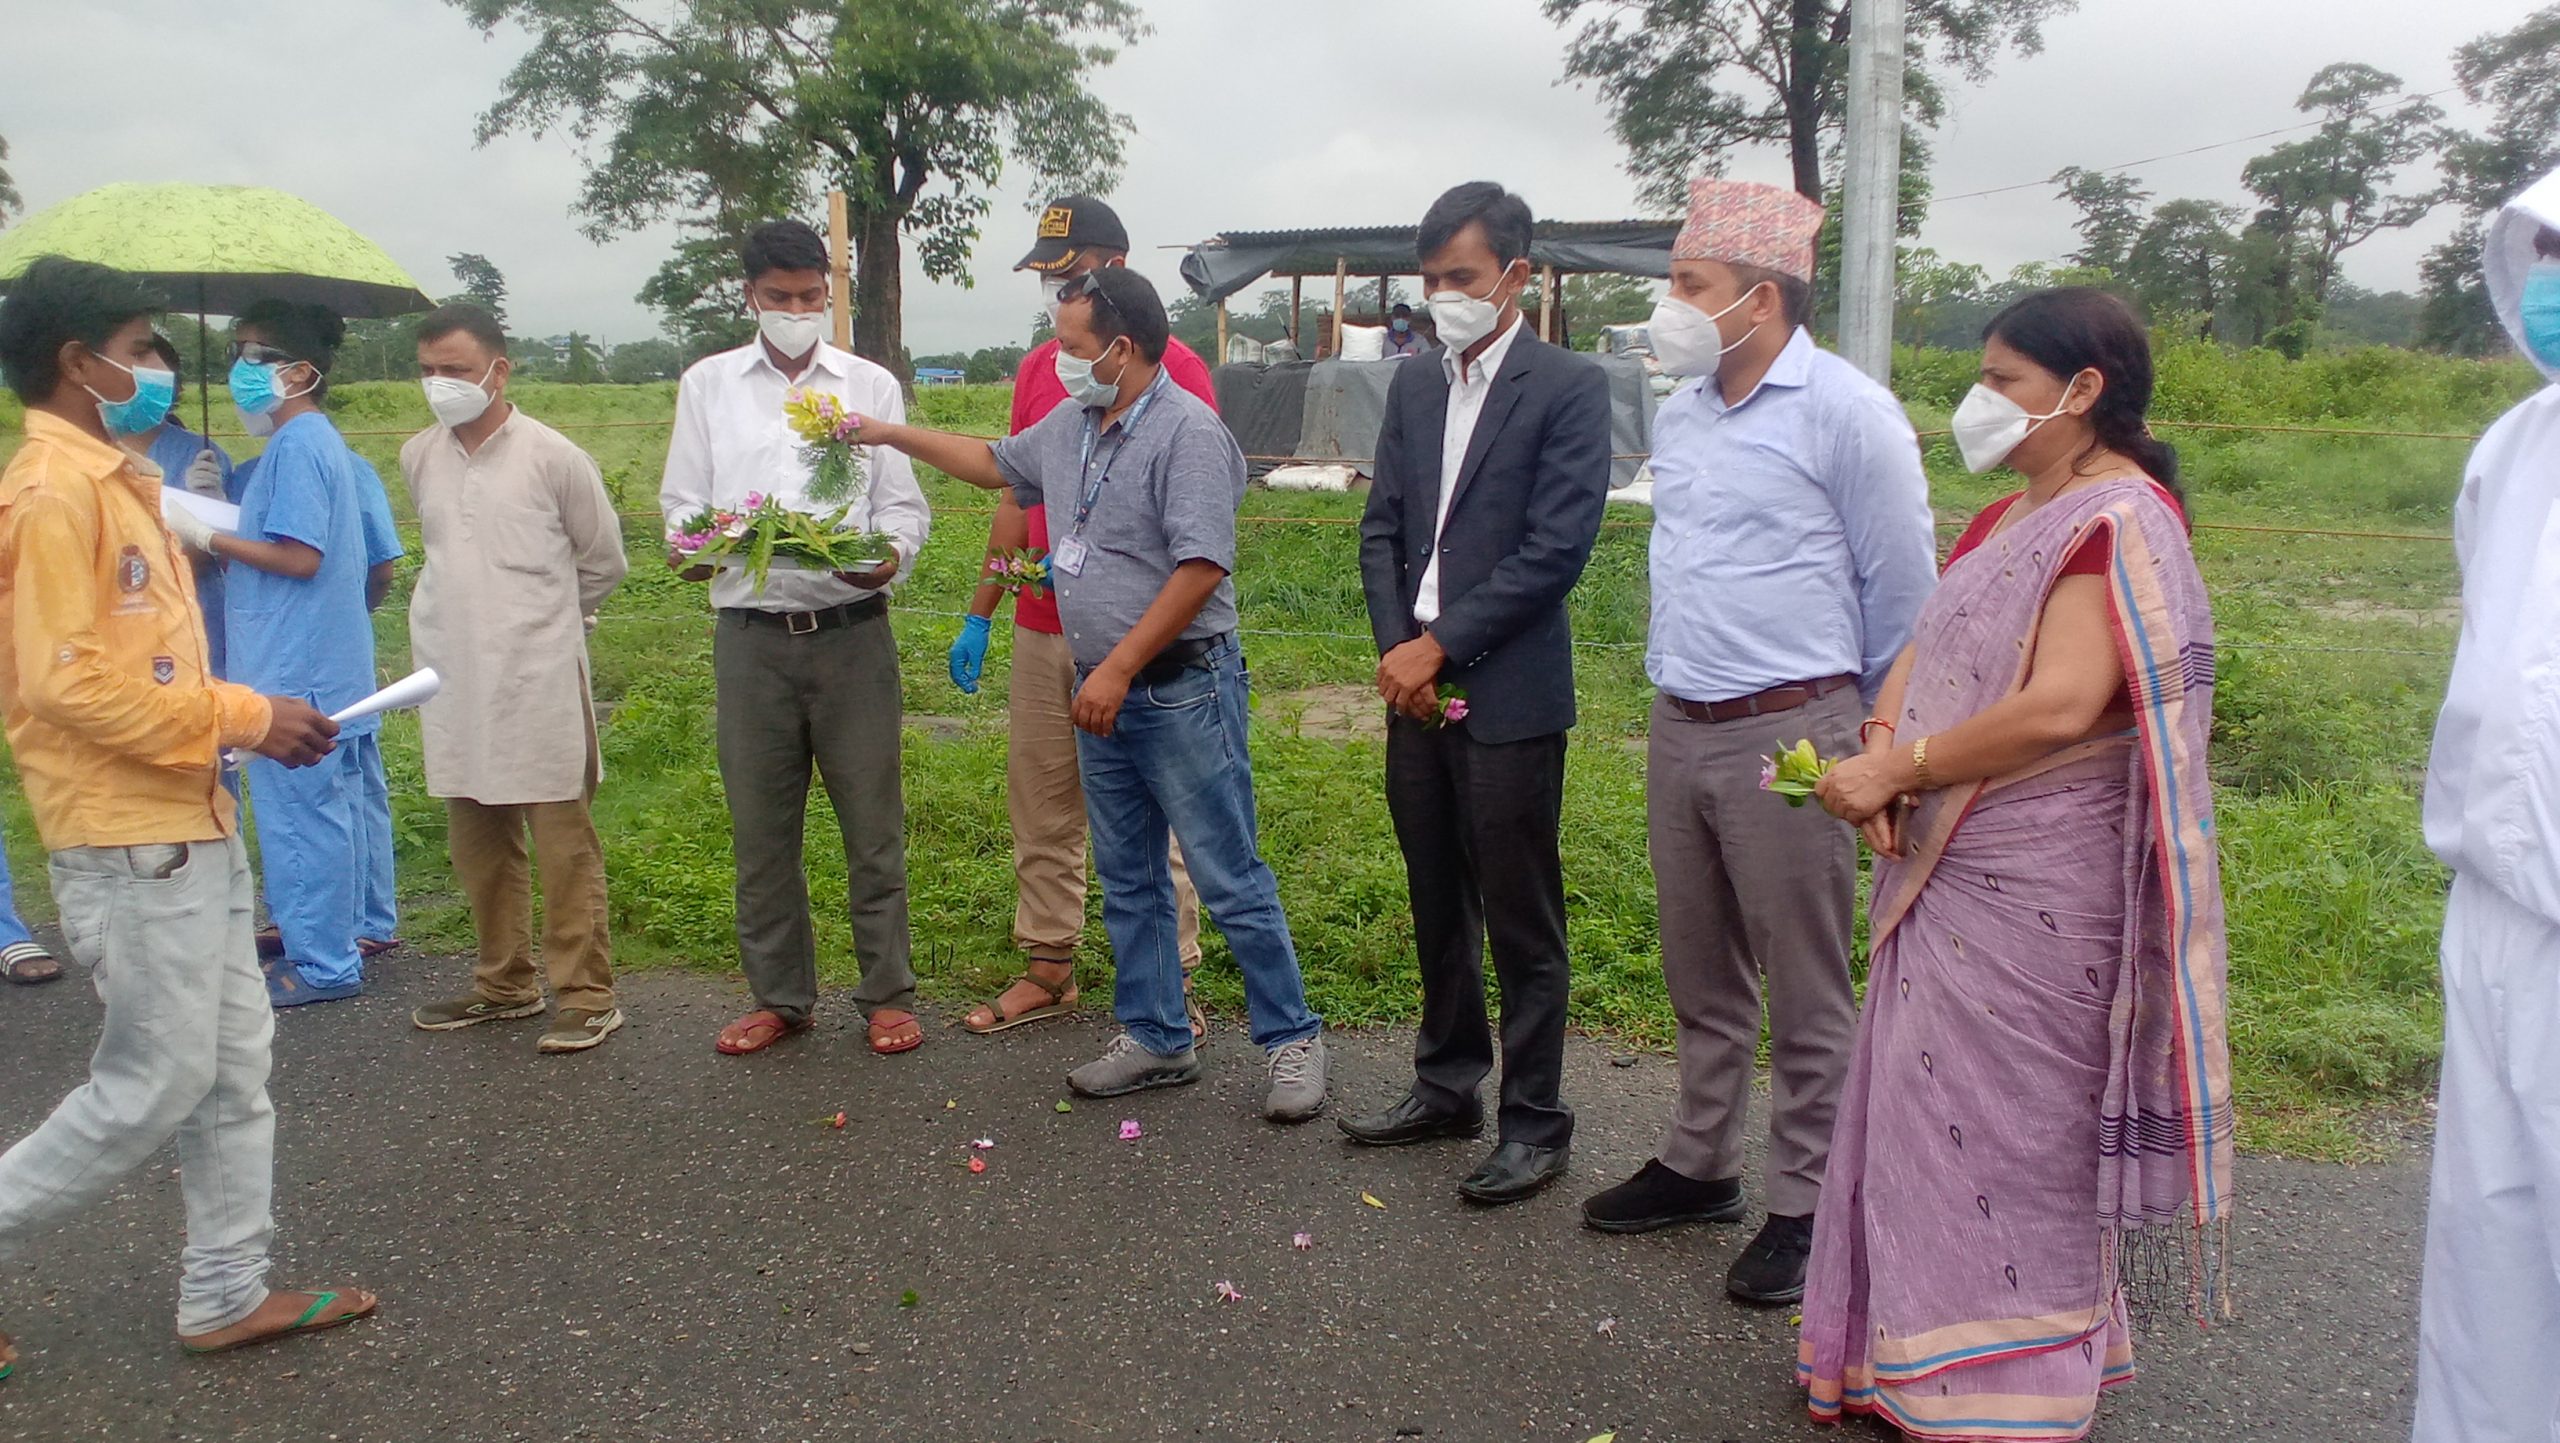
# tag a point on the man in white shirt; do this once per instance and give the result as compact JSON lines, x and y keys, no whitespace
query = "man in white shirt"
{"x":806,"y":667}
{"x":2489,"y":1312}
{"x":1492,"y":472}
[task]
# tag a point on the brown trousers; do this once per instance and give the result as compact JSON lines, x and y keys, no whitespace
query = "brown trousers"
{"x":1750,"y":888}
{"x":489,"y":860}
{"x":1044,"y":792}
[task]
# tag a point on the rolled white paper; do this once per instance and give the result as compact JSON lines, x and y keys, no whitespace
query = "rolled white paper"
{"x":221,"y":515}
{"x":411,"y":690}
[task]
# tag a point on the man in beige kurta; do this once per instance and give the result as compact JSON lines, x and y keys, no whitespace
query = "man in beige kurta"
{"x":522,"y":545}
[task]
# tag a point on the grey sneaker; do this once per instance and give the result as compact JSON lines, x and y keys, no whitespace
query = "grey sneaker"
{"x":1124,"y":1066}
{"x":1297,"y":1080}
{"x":575,"y":1029}
{"x":471,"y":1011}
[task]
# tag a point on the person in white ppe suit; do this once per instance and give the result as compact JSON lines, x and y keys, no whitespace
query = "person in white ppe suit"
{"x":2490,"y":1313}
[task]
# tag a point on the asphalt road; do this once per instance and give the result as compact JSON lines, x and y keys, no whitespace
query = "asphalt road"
{"x":653,"y":1242}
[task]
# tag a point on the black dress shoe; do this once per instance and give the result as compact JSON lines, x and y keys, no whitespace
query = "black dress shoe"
{"x":1513,"y":1171}
{"x":1411,"y":1120}
{"x":1771,"y":1269}
{"x":1657,"y":1197}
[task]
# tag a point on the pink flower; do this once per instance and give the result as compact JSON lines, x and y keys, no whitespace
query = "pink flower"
{"x":1227,"y":1293}
{"x":754,"y":500}
{"x":1130,"y":1131}
{"x":1303,"y":1241}
{"x":1455,"y":709}
{"x":1768,"y":773}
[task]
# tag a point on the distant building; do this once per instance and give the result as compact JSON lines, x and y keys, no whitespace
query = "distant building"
{"x":939,"y":376}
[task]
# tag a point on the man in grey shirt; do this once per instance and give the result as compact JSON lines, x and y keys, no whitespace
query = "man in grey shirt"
{"x":1141,"y":481}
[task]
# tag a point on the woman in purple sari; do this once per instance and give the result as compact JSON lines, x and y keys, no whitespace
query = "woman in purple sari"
{"x":2038,"y":1110}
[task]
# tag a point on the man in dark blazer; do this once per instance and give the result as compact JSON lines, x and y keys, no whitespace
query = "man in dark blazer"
{"x":1491,"y":474}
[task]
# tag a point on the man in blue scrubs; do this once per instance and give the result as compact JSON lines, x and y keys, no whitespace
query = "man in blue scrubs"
{"x":296,"y":611}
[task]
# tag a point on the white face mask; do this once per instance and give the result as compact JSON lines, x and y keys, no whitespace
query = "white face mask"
{"x":1988,"y":426}
{"x":1463,"y":319}
{"x":1083,"y":386}
{"x":458,"y":402}
{"x":1687,"y":341}
{"x":793,"y":333}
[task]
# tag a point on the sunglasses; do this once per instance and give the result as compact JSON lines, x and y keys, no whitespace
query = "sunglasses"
{"x":258,"y":355}
{"x":1089,"y":285}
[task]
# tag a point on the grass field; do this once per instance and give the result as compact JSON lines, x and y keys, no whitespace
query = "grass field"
{"x":2334,"y":653}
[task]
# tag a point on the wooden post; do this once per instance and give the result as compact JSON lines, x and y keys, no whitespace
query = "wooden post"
{"x":1297,"y":303}
{"x":1222,"y":331}
{"x":1341,"y":285}
{"x":1382,"y":300}
{"x":1547,"y":303}
{"x":840,"y":265}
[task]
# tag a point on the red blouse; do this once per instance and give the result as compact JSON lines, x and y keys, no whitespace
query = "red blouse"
{"x":2089,"y":560}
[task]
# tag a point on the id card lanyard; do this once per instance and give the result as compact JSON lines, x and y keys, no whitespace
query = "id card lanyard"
{"x":1070,"y":552}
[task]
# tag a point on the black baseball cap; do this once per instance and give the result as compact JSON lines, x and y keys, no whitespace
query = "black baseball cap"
{"x":1070,"y":226}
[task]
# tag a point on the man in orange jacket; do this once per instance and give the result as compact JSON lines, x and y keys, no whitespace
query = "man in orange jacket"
{"x":118,"y":729}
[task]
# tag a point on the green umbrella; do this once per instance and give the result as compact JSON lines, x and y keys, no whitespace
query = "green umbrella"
{"x":213,"y":249}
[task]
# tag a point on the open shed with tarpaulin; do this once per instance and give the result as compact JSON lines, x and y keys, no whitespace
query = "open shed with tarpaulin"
{"x":1328,"y":411}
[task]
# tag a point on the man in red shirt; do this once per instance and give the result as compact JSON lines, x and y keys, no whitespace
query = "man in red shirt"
{"x":1043,"y":790}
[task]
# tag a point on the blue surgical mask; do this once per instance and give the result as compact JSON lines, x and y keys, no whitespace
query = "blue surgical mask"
{"x":154,"y":392}
{"x":253,"y":387}
{"x":2541,"y":311}
{"x":1400,"y":325}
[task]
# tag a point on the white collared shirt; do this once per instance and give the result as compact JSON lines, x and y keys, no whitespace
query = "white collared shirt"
{"x":731,"y":439}
{"x":1468,"y":387}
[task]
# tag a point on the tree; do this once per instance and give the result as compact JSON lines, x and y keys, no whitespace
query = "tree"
{"x":2330,"y":192}
{"x":1940,"y":302}
{"x":10,"y":200}
{"x":1689,"y":80}
{"x":655,"y":359}
{"x":723,"y":113}
{"x":2110,"y":209}
{"x":482,"y":284}
{"x":2180,"y":263}
{"x":2517,"y":75}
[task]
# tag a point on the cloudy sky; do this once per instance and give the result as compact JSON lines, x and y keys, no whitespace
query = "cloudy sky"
{"x":1346,"y":112}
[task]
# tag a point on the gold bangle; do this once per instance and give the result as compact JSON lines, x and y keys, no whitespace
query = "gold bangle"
{"x":1920,"y":766}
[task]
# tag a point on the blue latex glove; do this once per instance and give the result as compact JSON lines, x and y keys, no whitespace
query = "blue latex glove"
{"x":969,"y":654}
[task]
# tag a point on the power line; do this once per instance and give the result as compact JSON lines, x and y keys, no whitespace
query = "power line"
{"x":2404,"y":103}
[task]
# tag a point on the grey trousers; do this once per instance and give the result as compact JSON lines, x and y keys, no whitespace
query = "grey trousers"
{"x":1749,"y":888}
{"x":829,"y":699}
{"x":166,"y":931}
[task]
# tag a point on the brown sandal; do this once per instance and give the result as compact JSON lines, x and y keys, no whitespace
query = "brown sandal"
{"x":756,"y":1031}
{"x":28,"y":965}
{"x":1062,"y":1000}
{"x":888,"y":1038}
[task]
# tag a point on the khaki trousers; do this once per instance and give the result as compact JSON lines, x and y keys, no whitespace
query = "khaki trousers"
{"x":489,"y":860}
{"x":1748,"y":889}
{"x":1044,"y":792}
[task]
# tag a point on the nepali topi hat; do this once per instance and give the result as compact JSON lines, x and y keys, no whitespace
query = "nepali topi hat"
{"x":1742,"y":222}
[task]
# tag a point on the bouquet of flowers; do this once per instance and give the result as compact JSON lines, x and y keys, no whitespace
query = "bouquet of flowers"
{"x":1019,"y":570}
{"x":831,"y":442}
{"x":1453,"y":706}
{"x":1792,"y":772}
{"x":767,"y":531}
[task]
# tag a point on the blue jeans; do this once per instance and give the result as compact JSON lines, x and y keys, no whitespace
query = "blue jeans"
{"x":12,"y":930}
{"x":1176,"y":757}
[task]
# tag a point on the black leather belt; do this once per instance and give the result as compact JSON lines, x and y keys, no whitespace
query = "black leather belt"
{"x":1180,"y":657}
{"x":805,"y":623}
{"x":1760,"y":703}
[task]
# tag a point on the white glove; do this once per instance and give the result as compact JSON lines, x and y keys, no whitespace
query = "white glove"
{"x":204,"y":475}
{"x":193,"y":531}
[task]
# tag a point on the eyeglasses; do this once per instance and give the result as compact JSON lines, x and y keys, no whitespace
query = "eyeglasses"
{"x":1089,"y":286}
{"x":258,"y":355}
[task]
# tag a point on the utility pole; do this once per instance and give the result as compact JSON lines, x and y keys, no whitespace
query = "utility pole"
{"x":1872,"y":186}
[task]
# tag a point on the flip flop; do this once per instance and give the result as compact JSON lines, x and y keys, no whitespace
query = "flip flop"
{"x":8,"y":1357}
{"x":372,"y":947}
{"x":311,"y":1321}
{"x":755,"y":1032}
{"x":881,"y":1043}
{"x":28,"y":965}
{"x":1062,"y":1000}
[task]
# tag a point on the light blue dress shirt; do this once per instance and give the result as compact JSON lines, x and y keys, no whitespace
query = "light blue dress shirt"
{"x":1792,"y":537}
